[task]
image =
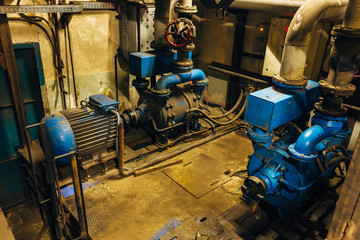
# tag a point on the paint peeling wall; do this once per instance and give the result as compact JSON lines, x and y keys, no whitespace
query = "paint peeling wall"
{"x":94,"y":39}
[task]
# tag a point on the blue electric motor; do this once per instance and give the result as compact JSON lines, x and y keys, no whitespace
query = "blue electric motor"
{"x":286,"y":167}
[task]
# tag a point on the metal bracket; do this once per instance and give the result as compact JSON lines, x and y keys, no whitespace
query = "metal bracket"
{"x":96,"y":5}
{"x":71,"y":8}
{"x":74,"y":7}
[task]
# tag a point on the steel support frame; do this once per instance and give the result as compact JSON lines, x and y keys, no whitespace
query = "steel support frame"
{"x":9,"y":65}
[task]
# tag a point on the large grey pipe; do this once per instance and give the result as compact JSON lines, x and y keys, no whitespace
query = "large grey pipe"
{"x":352,"y":15}
{"x":298,"y":37}
{"x":268,"y":5}
{"x":344,"y":52}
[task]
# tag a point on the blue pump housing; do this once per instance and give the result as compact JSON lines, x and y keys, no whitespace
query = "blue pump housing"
{"x":269,"y":108}
{"x":285,"y":171}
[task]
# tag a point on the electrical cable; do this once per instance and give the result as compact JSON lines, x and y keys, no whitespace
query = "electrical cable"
{"x":296,"y":127}
{"x":232,"y":109}
{"x":219,"y":122}
{"x":71,"y":61}
{"x":43,"y":29}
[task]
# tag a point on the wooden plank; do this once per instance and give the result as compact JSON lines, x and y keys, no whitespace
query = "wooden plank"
{"x":346,"y":217}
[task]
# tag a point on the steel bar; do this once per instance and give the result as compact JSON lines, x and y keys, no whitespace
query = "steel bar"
{"x":33,"y":125}
{"x":64,"y":155}
{"x":32,"y":167}
{"x":96,"y":5}
{"x":71,"y":8}
{"x":79,"y":197}
{"x":152,"y":169}
{"x":50,"y":167}
{"x":252,"y":79}
{"x":355,"y":108}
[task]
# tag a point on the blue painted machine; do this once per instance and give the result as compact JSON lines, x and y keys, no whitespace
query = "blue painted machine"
{"x":164,"y":108}
{"x":290,"y":160}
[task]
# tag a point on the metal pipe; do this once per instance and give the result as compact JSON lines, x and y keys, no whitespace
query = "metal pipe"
{"x":344,"y":52}
{"x":252,"y":79}
{"x":79,"y":198}
{"x":297,"y":40}
{"x":279,"y":6}
{"x":352,"y":15}
{"x":267,"y":5}
{"x":50,"y":167}
{"x":163,"y":157}
{"x":195,"y":75}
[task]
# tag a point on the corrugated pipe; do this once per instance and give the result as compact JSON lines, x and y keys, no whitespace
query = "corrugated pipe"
{"x":297,"y":39}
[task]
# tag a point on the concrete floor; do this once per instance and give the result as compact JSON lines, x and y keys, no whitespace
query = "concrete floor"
{"x":136,"y":207}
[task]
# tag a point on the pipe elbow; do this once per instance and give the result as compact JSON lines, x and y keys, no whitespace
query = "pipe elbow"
{"x":297,"y":40}
{"x":166,"y":81}
{"x":307,"y":141}
{"x":197,"y":75}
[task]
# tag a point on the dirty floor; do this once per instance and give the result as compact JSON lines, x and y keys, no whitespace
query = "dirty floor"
{"x":136,"y":207}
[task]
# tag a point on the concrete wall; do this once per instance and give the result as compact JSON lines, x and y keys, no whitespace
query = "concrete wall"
{"x":94,"y":39}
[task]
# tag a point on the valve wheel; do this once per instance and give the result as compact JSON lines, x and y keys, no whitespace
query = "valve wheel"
{"x":180,"y":36}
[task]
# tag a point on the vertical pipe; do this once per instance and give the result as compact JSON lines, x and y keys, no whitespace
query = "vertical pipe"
{"x":121,"y":146}
{"x":116,"y":77}
{"x":352,"y":15}
{"x":79,"y":197}
{"x":297,"y":40}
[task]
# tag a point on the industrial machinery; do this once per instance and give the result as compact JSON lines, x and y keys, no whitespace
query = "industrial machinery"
{"x":291,"y":160}
{"x":169,"y":108}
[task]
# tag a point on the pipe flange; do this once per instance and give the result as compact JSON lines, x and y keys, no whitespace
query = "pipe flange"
{"x":202,"y":83}
{"x":289,"y":84}
{"x":333,"y":112}
{"x":300,"y":156}
{"x":161,"y":93}
{"x":181,"y":64}
{"x":140,"y":84}
{"x":341,"y":91}
{"x":261,"y":138}
{"x":185,"y":9}
{"x":339,"y":31}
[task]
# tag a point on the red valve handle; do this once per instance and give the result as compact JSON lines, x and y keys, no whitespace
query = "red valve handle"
{"x":180,"y":39}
